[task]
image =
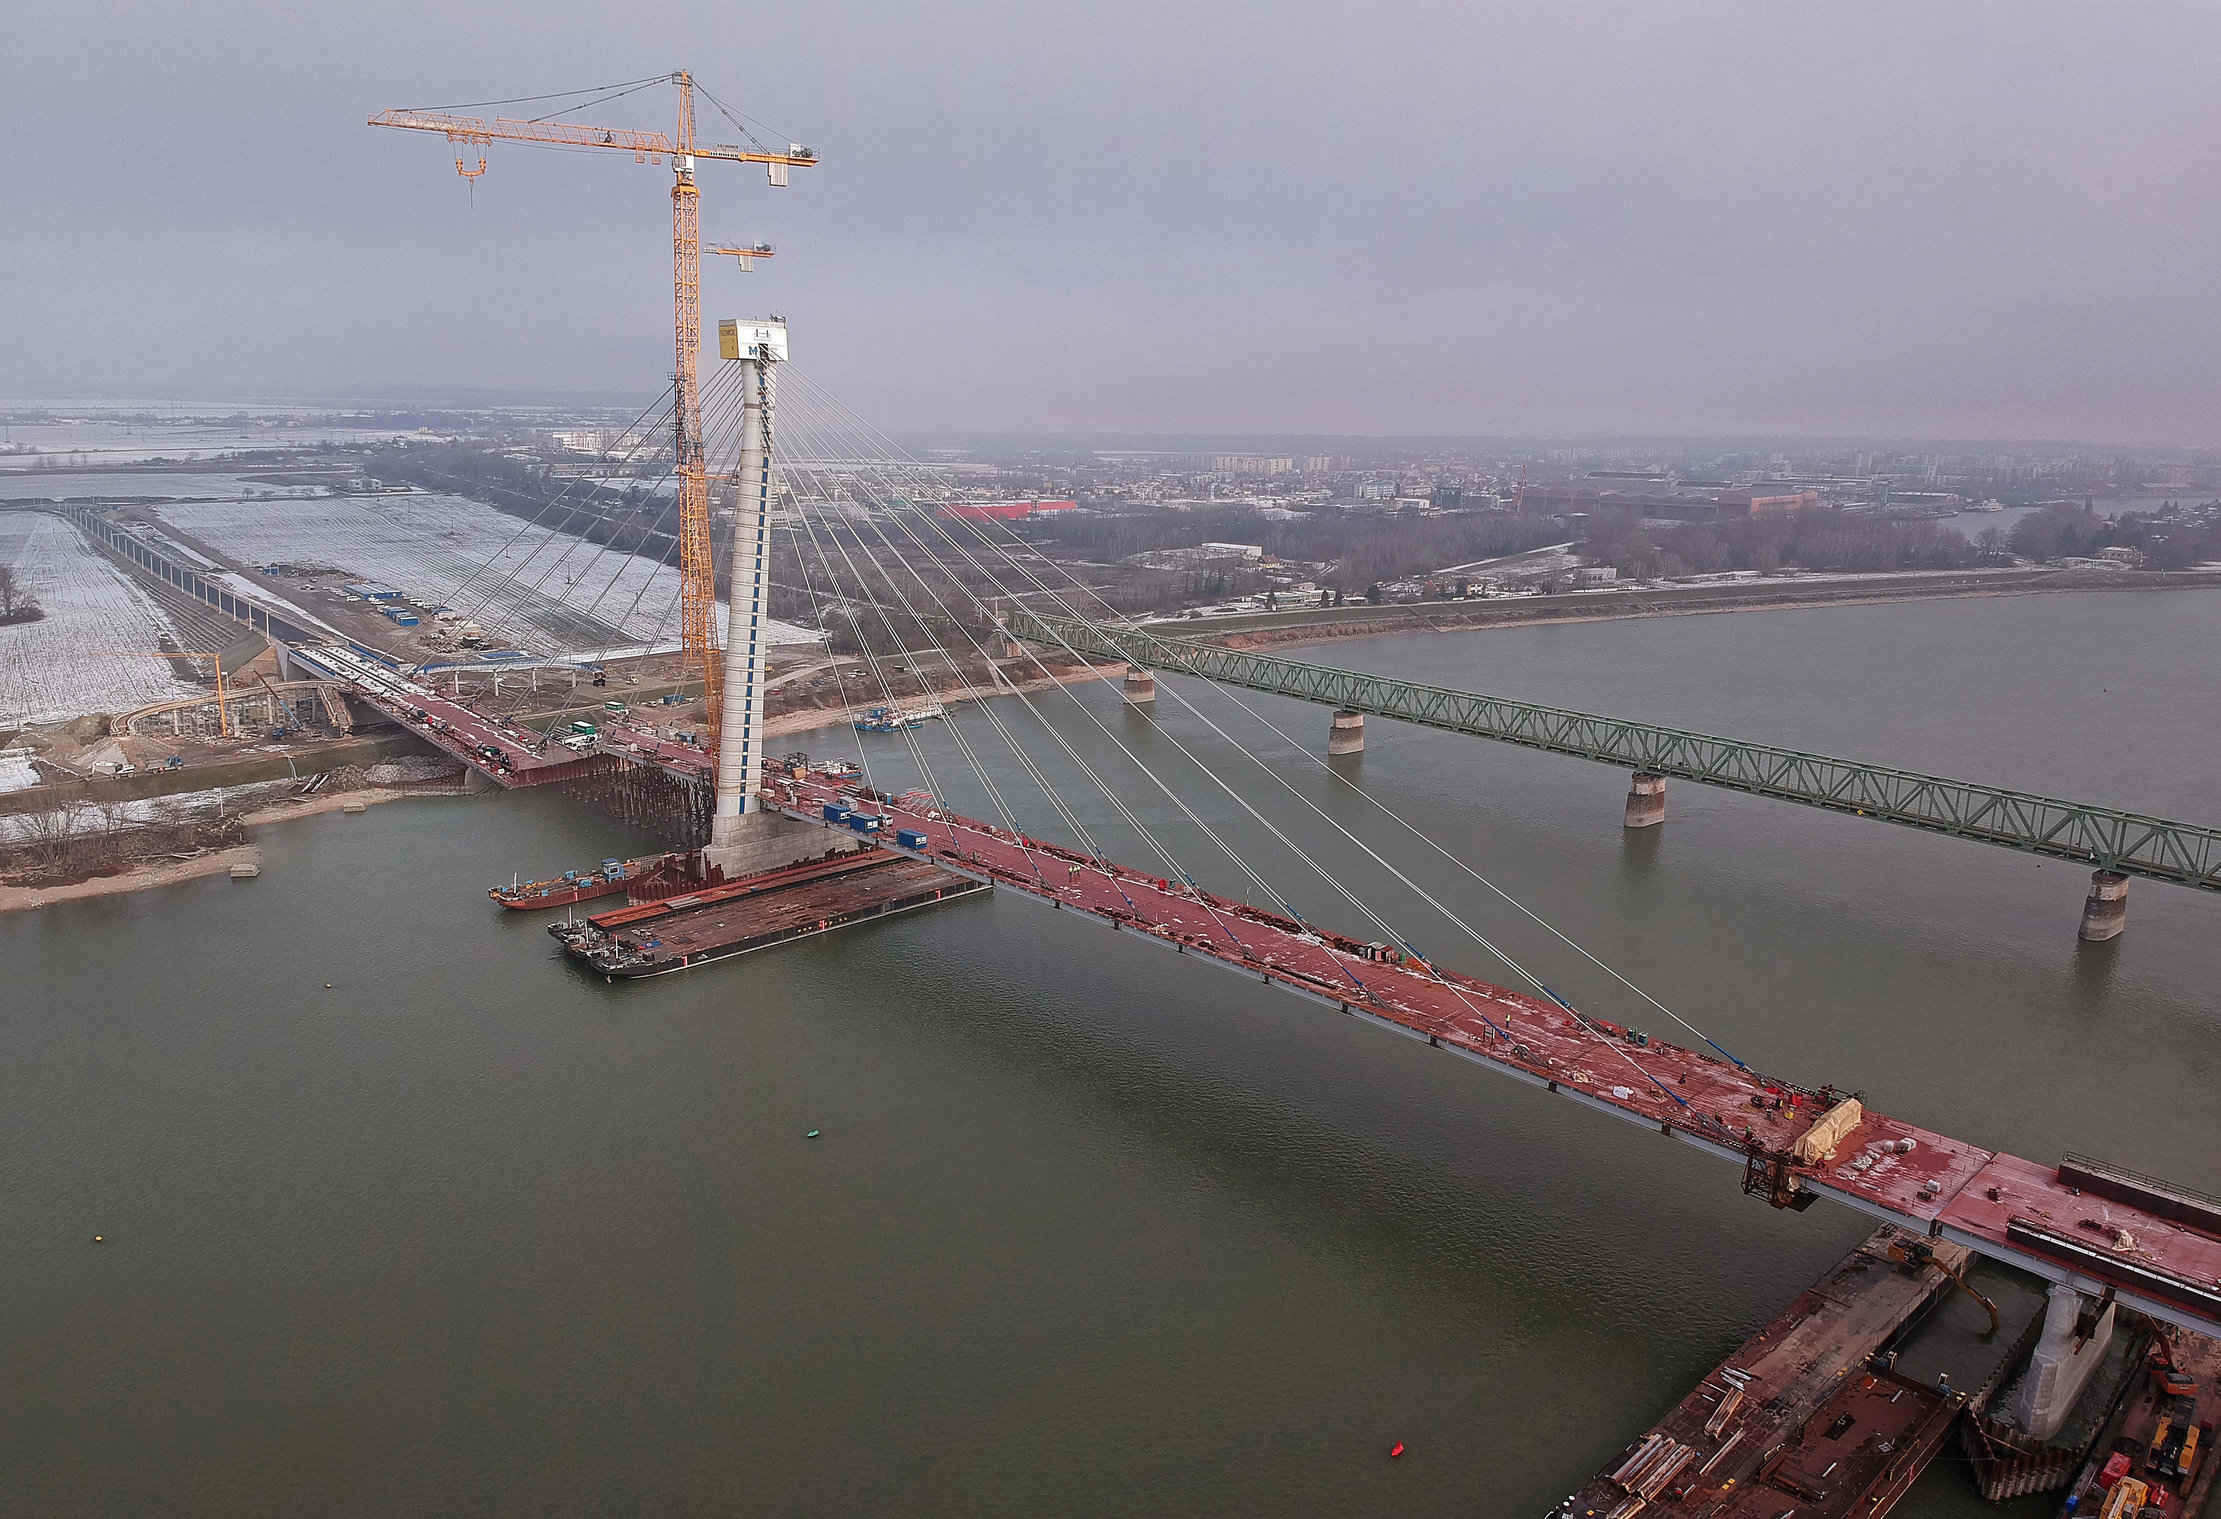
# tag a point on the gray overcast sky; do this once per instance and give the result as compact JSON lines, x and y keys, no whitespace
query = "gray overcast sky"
{"x":1937,"y":218}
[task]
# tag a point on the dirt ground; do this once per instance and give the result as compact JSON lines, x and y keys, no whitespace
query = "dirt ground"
{"x":151,"y":874}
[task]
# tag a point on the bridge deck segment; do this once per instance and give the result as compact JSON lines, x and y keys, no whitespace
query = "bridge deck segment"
{"x":1884,"y":1166}
{"x":447,"y":723}
{"x":2106,"y":838}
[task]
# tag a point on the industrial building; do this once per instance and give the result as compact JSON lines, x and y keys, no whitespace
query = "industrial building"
{"x":1004,"y":511}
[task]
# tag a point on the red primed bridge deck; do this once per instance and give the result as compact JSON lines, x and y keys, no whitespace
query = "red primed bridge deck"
{"x":464,"y":732}
{"x":1884,"y":1166}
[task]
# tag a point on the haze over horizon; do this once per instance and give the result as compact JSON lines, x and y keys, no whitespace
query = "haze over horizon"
{"x":1959,"y":221}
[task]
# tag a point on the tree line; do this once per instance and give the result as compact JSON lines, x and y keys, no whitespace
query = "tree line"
{"x":1361,"y":547}
{"x":2169,"y":539}
{"x":1815,"y":539}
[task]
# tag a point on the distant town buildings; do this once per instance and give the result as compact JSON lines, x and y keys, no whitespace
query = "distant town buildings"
{"x":596,"y":441}
{"x":1757,"y":505}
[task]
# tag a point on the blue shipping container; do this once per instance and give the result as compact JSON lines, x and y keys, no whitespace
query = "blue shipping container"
{"x":863,"y":822}
{"x":909,"y":838}
{"x":835,"y":814}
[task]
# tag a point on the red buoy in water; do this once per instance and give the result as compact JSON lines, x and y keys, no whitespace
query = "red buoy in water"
{"x":1395,"y":1450}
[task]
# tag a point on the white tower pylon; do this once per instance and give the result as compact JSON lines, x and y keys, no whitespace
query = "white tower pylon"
{"x":745,"y":839}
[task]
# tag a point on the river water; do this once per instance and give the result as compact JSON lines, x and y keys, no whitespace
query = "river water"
{"x":1087,"y":1230}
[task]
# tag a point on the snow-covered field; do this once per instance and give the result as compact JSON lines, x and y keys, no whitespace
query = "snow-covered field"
{"x":16,"y":771}
{"x":94,"y":440}
{"x":540,"y":590}
{"x":68,"y":485}
{"x":51,"y":670}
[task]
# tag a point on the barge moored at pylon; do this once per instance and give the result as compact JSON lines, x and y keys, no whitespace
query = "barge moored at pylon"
{"x":717,"y":922}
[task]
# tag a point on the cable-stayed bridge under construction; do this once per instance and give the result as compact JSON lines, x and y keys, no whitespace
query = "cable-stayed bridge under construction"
{"x":822,"y":500}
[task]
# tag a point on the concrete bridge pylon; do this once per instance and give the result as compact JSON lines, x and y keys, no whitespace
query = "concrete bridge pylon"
{"x":745,"y":839}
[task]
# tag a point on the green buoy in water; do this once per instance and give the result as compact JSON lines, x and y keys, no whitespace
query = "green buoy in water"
{"x":811,"y":1135}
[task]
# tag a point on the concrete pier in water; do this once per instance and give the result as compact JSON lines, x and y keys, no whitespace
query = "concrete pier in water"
{"x":1646,"y":800}
{"x":1140,"y":687}
{"x":746,"y":840}
{"x":1346,"y":735}
{"x":2105,"y":912}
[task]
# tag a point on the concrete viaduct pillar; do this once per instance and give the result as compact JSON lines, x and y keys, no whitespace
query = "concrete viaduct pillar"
{"x":1140,"y":687}
{"x":1346,"y":734}
{"x":1646,"y":800}
{"x":2105,"y":912}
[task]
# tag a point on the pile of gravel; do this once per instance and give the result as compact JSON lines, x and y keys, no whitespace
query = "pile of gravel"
{"x":413,"y":767}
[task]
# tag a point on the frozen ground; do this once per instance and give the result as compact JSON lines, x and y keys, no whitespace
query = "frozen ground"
{"x":67,"y":485}
{"x":94,"y":440}
{"x":16,"y":772}
{"x":542,"y":591}
{"x":53,"y":669}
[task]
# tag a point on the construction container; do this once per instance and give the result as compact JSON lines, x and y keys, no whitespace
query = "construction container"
{"x":835,"y":814}
{"x":909,"y":838}
{"x":865,"y":822}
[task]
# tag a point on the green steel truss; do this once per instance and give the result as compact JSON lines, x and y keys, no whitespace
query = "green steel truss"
{"x":2103,"y":837}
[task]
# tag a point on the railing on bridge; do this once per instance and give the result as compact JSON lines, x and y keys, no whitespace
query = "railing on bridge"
{"x":2184,"y":854}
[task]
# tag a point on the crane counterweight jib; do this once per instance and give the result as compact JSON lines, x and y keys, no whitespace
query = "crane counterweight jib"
{"x":641,"y":143}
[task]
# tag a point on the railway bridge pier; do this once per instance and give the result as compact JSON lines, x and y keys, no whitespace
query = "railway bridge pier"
{"x":1646,"y":800}
{"x":2114,"y":842}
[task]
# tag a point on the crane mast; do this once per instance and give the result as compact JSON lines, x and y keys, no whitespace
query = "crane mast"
{"x":697,"y":571}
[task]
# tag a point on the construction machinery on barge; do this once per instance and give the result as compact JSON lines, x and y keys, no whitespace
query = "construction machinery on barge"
{"x":574,"y":886}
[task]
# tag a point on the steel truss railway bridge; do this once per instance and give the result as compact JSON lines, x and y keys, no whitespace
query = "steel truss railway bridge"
{"x":2107,"y":838}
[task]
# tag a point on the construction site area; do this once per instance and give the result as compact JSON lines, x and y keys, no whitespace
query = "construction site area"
{"x":154,"y":677}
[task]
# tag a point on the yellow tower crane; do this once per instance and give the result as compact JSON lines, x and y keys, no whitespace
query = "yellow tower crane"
{"x":697,"y":577}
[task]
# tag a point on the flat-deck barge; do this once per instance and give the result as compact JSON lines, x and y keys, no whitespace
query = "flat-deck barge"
{"x":1805,"y":1417}
{"x":757,"y":912}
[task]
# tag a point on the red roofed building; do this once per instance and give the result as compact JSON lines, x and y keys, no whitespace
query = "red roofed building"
{"x":1003,"y":511}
